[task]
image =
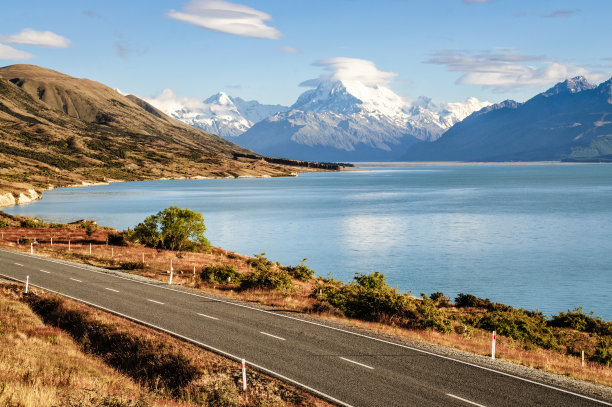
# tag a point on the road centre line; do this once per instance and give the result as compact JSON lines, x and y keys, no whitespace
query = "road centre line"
{"x":464,"y":400}
{"x":156,"y":302}
{"x":273,"y":336}
{"x":74,"y":279}
{"x":198,"y":343}
{"x":45,"y":271}
{"x":357,"y":363}
{"x":111,"y":289}
{"x":19,"y":264}
{"x":65,"y":263}
{"x":208,"y":316}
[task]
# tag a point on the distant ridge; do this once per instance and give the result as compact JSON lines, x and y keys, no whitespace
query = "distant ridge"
{"x":572,"y":121}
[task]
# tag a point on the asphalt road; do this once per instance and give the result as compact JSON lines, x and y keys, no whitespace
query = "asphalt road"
{"x":342,"y":366}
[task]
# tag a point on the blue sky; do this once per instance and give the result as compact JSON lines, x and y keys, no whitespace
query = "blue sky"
{"x":264,"y":49}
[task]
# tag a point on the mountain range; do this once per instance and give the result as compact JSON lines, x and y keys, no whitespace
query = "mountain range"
{"x":220,"y":114}
{"x":335,"y":121}
{"x":56,"y":130}
{"x":571,"y":121}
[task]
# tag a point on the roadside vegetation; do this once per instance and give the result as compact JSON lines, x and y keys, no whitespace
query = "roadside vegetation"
{"x":59,"y":352}
{"x":530,"y":338}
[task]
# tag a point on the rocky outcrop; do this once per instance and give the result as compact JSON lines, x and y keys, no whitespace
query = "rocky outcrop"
{"x":18,"y":198}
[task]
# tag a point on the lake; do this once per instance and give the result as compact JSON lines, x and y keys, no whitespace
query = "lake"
{"x":532,"y":236}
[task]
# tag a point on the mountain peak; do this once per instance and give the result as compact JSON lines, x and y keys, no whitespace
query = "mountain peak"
{"x":571,"y":85}
{"x":220,"y":98}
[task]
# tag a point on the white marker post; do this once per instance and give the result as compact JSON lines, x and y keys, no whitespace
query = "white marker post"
{"x":582,"y":358}
{"x":90,"y":248}
{"x":68,"y":245}
{"x":27,"y":284}
{"x":493,"y":346}
{"x":112,"y":252}
{"x":31,"y":248}
{"x":51,"y":242}
{"x":171,"y":273}
{"x":194,"y":271}
{"x":244,"y":383}
{"x":143,"y":259}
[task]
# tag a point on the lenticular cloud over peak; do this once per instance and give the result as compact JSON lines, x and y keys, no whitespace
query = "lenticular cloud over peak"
{"x":350,"y":70}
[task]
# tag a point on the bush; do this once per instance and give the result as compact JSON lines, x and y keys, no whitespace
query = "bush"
{"x":173,"y":228}
{"x":3,"y":224}
{"x":432,"y":316}
{"x":603,"y":352}
{"x":367,"y":297}
{"x":31,"y":223}
{"x":576,"y":319}
{"x":519,"y":325}
{"x":469,"y":300}
{"x":301,"y":271}
{"x":268,"y":279}
{"x":221,"y":393}
{"x":117,"y":239}
{"x":440,"y":299}
{"x":221,"y":274}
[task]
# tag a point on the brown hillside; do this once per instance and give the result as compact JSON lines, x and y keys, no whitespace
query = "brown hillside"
{"x":57,"y":130}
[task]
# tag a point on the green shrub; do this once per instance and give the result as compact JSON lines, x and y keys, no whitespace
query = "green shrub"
{"x":3,"y":224}
{"x":173,"y":228}
{"x":32,"y":223}
{"x":433,"y":317}
{"x":221,"y":274}
{"x":117,"y":239}
{"x":519,"y":325}
{"x":576,"y":319}
{"x":603,"y":352}
{"x":301,"y":271}
{"x":440,"y":299}
{"x":469,"y":300}
{"x":366,"y":297}
{"x":268,"y":279}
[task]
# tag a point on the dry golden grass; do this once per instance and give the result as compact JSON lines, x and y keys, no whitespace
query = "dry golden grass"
{"x":157,"y":264}
{"x":43,"y":366}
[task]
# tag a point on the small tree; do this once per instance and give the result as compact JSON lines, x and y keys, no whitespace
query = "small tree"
{"x":173,"y":228}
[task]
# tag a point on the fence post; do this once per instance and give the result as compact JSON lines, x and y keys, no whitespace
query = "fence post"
{"x":31,"y":248}
{"x":90,"y":248}
{"x":52,"y":242}
{"x":244,"y":382}
{"x":68,"y":244}
{"x":582,"y":358}
{"x":143,"y":259}
{"x":493,"y":346}
{"x":27,"y":283}
{"x":170,"y":282}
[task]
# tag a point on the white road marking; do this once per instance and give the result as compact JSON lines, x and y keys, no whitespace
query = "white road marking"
{"x":19,"y":264}
{"x":157,"y":302}
{"x":99,"y":271}
{"x":111,"y":289}
{"x":273,"y":336}
{"x":207,"y":316}
{"x":357,"y":363}
{"x":45,"y":271}
{"x":464,"y":400}
{"x":74,"y":279}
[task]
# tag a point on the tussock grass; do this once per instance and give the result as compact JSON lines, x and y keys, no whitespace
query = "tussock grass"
{"x":68,"y":362}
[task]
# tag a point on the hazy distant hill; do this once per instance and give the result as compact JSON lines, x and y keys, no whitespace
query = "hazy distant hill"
{"x":57,"y":130}
{"x":571,"y":121}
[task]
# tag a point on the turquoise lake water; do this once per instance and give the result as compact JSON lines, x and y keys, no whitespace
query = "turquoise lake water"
{"x":532,"y":236}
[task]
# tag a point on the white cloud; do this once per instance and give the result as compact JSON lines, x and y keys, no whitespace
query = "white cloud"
{"x":7,"y":52}
{"x":168,"y":101}
{"x":350,"y":70}
{"x":41,"y":38}
{"x":506,"y":69}
{"x":223,"y":16}
{"x":289,"y":50}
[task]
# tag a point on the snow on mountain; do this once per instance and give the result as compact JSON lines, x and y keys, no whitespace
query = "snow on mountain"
{"x":351,"y":120}
{"x":219,"y":114}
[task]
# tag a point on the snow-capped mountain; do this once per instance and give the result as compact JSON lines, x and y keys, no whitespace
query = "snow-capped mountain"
{"x":219,"y":114}
{"x":349,"y":120}
{"x":569,"y":121}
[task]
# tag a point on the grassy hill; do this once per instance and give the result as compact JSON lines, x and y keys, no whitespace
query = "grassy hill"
{"x":56,"y":130}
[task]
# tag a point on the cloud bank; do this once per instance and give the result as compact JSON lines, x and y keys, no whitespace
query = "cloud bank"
{"x":29,"y":36}
{"x":506,"y":69}
{"x":226,"y":17}
{"x":7,"y":52}
{"x":350,"y":70}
